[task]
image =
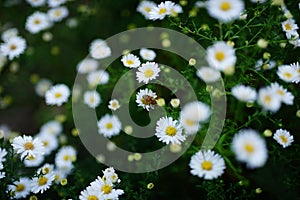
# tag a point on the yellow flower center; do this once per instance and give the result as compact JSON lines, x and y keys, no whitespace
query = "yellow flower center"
{"x":129,"y":62}
{"x":45,"y":143}
{"x":46,"y":170}
{"x":288,"y":27}
{"x":57,"y":95}
{"x":109,"y":125}
{"x":42,"y":180}
{"x":31,"y":157}
{"x":225,"y":6}
{"x":36,"y":21}
{"x":148,"y":73}
{"x":287,"y":75}
{"x":106,"y":189}
{"x":147,"y":9}
{"x":190,"y":122}
{"x":220,"y":56}
{"x":206,"y":165}
{"x":268,"y":99}
{"x":162,"y":11}
{"x":20,"y":187}
{"x":57,"y":13}
{"x":283,"y":139}
{"x":249,"y":148}
{"x":171,"y":131}
{"x":92,"y":99}
{"x":66,"y":157}
{"x":114,"y":104}
{"x":92,"y":197}
{"x":12,"y":47}
{"x":280,"y":92}
{"x":28,"y":146}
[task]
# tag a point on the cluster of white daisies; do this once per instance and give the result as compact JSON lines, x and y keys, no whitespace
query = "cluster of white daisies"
{"x":103,"y":187}
{"x":32,"y":152}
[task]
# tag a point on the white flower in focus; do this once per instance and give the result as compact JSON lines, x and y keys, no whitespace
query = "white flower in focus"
{"x":290,"y":27}
{"x":244,"y":93}
{"x":87,"y":65}
{"x":37,"y":22}
{"x":90,"y":193}
{"x":57,"y":95}
{"x":9,"y":33}
{"x":221,"y":56}
{"x":269,"y":99}
{"x":283,"y":137}
{"x":99,"y":77}
{"x":145,"y":7}
{"x":208,"y":74}
{"x":27,"y":146}
{"x":55,"y":3}
{"x":147,"y":72}
{"x":225,"y":10}
{"x":114,"y":104}
{"x":21,"y":188}
{"x":207,"y":164}
{"x":146,"y":98}
{"x":42,"y":183}
{"x":169,"y":130}
{"x":287,"y":73}
{"x":13,"y":47}
{"x":249,"y":147}
{"x":36,"y":3}
{"x":92,"y":98}
{"x":106,"y":188}
{"x":131,"y":61}
{"x":161,"y":11}
{"x":58,"y":14}
{"x":42,"y":86}
{"x":147,"y":54}
{"x":109,"y":125}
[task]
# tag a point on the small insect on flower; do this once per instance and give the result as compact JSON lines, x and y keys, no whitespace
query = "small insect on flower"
{"x":149,"y":100}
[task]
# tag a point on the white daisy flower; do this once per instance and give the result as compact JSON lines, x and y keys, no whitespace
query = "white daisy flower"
{"x":250,"y":147}
{"x":90,"y":193}
{"x":49,"y":141}
{"x":55,"y":3}
{"x":176,"y":9}
{"x":87,"y":65}
{"x":283,"y":137}
{"x":99,"y":77}
{"x":3,"y":154}
{"x":13,"y":47}
{"x":296,"y":69}
{"x":207,"y":164}
{"x":42,"y":183}
{"x":92,"y":98}
{"x":9,"y":33}
{"x":290,"y":27}
{"x":269,"y":99}
{"x":32,"y":161}
{"x":208,"y":74}
{"x":59,"y":175}
{"x":27,"y":146}
{"x":109,"y":125}
{"x":46,"y":169}
{"x":221,"y":56}
{"x":244,"y":93}
{"x":161,"y":11}
{"x":287,"y":73}
{"x":37,"y":22}
{"x":52,"y":127}
{"x":225,"y":10}
{"x":57,"y":95}
{"x":20,"y":188}
{"x":42,"y":86}
{"x":114,"y":104}
{"x":131,"y":61}
{"x":146,"y":98}
{"x":147,"y":54}
{"x":99,"y":49}
{"x":169,"y":130}
{"x":65,"y":156}
{"x":110,"y":175}
{"x":145,"y":8}
{"x":58,"y":14}
{"x":36,"y":3}
{"x":147,"y":72}
{"x":106,"y":188}
{"x":285,"y":96}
